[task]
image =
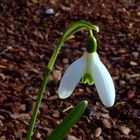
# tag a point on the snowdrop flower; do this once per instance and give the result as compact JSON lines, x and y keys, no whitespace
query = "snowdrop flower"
{"x":90,"y":68}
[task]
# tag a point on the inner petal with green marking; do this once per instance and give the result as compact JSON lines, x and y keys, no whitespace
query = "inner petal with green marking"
{"x":88,"y":78}
{"x":88,"y":73}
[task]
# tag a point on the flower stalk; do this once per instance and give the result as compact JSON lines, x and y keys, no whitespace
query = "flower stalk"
{"x":73,"y":28}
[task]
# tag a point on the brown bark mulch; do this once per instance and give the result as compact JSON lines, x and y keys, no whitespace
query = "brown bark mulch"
{"x":29,"y":30}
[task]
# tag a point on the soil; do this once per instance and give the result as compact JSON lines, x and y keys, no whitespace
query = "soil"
{"x":29,"y":30}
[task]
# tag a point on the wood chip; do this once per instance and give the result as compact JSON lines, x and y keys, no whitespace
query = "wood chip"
{"x":70,"y":137}
{"x":98,"y":132}
{"x":125,"y":130}
{"x":65,"y":61}
{"x":132,"y":63}
{"x":2,"y":138}
{"x":56,"y":75}
{"x":106,"y":123}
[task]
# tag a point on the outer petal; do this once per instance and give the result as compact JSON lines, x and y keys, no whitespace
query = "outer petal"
{"x":71,"y":77}
{"x":103,"y":82}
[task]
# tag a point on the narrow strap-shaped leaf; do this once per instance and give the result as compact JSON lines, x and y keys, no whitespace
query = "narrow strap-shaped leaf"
{"x":73,"y":28}
{"x":60,"y":132}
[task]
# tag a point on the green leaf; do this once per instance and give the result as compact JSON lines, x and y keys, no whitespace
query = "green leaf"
{"x":60,"y":132}
{"x":73,"y":28}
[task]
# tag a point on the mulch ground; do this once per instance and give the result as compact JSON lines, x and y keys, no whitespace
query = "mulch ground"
{"x":28,"y":34}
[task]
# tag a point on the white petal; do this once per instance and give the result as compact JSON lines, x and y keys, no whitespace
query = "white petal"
{"x":88,"y":76}
{"x":103,"y":82}
{"x":71,"y":77}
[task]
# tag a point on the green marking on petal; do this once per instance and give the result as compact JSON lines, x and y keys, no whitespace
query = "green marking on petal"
{"x":87,"y":78}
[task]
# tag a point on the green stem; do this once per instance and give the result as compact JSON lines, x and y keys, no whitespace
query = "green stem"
{"x":38,"y":102}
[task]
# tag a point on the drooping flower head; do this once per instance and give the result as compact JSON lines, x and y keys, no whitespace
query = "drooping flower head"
{"x":90,"y":68}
